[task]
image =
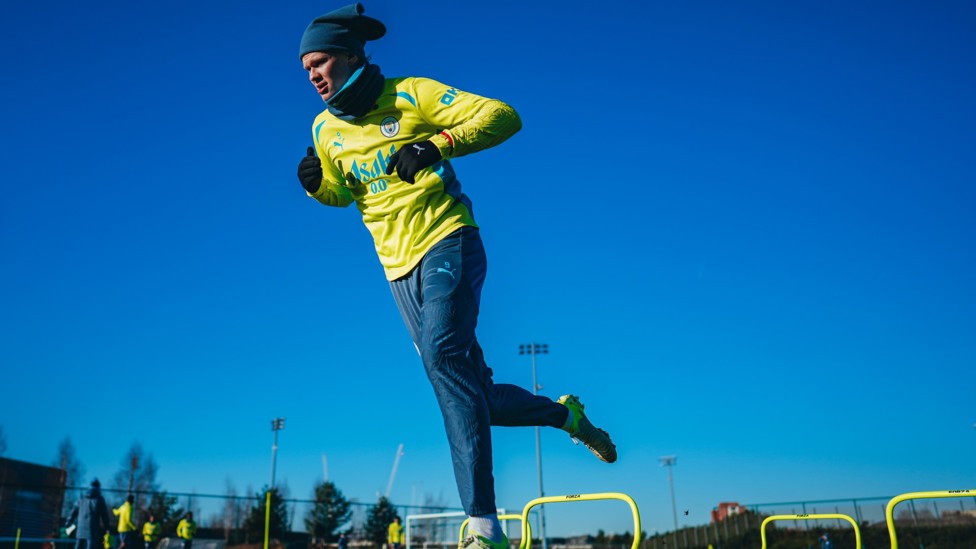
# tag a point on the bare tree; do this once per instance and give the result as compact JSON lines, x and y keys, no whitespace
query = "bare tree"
{"x":434,"y":530}
{"x":67,"y":460}
{"x":233,"y":511}
{"x":137,"y":477}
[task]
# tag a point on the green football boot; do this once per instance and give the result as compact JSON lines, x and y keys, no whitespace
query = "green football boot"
{"x":475,"y":541}
{"x":581,"y":430}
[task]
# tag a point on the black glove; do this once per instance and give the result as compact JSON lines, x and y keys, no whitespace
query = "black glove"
{"x":412,"y":158}
{"x":310,"y":171}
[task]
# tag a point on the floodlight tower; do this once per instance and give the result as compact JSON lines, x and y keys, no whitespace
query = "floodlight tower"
{"x":669,"y":462}
{"x":533,"y":349}
{"x":277,"y":424}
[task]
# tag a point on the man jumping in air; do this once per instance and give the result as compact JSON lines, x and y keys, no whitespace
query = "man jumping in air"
{"x":385,"y":144}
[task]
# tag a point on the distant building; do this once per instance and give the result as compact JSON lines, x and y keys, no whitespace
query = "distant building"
{"x":726,"y":509}
{"x":573,"y":542}
{"x":959,"y":517}
{"x":30,"y":499}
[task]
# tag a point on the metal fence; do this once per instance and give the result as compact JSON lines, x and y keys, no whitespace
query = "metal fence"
{"x":222,"y":514}
{"x":867,"y":511}
{"x":921,"y":523}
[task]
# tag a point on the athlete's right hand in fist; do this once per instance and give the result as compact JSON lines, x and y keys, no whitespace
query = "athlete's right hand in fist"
{"x":310,"y":171}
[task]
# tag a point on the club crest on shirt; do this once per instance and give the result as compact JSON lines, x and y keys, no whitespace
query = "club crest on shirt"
{"x":390,"y":126}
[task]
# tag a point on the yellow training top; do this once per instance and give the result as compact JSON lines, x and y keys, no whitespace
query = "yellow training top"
{"x":405,"y":219}
{"x":395,"y":533}
{"x":186,"y":529}
{"x":151,"y":531}
{"x":125,"y":518}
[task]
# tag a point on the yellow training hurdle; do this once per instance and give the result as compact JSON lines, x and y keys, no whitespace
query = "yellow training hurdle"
{"x":527,"y":533}
{"x":857,"y":531}
{"x":526,"y":542}
{"x":890,"y":508}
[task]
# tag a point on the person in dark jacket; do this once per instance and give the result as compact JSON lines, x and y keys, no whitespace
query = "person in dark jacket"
{"x":91,"y":515}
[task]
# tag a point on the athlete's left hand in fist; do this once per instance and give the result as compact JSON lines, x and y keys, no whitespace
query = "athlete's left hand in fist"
{"x":410,"y":159}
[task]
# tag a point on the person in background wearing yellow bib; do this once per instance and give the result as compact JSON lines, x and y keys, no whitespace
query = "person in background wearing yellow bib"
{"x":150,"y":532}
{"x":394,"y":534}
{"x":127,"y":528}
{"x":185,"y":530}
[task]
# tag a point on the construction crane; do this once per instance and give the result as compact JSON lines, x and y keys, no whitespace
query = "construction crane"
{"x":396,"y":463}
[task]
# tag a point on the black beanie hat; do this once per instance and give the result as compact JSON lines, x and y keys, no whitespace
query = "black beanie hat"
{"x":345,"y":29}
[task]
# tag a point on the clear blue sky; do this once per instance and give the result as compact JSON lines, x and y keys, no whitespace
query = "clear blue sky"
{"x":744,"y":229}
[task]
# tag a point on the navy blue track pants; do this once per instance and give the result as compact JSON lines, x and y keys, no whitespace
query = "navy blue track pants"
{"x":439,"y":301}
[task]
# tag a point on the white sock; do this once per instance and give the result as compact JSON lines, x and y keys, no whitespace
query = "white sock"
{"x":487,"y":526}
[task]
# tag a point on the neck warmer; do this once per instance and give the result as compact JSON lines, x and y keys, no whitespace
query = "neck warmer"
{"x":359,"y":93}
